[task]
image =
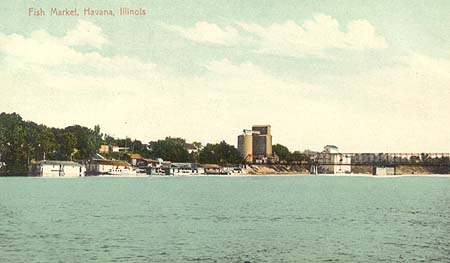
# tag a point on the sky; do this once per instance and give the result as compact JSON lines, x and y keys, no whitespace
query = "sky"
{"x":367,"y":76}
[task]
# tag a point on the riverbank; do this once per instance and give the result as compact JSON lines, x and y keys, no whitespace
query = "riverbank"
{"x":261,"y":169}
{"x":275,"y":169}
{"x":302,"y":170}
{"x":341,"y":175}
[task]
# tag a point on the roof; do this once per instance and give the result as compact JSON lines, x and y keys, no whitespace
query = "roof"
{"x":210,"y":166}
{"x":330,"y":146}
{"x":150,"y":160}
{"x":56,"y":162}
{"x":135,"y":156}
{"x":331,"y":149}
{"x":181,"y":165}
{"x":190,"y":146}
{"x":111,"y":162}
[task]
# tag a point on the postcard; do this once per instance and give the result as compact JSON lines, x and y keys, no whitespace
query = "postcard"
{"x":241,"y":131}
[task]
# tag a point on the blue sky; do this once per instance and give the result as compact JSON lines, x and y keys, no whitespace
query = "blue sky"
{"x":368,"y":76}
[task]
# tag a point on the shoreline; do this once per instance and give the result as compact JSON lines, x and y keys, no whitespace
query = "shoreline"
{"x":341,"y":175}
{"x":244,"y":175}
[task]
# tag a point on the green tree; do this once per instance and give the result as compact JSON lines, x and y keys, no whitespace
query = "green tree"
{"x":281,"y":151}
{"x":108,"y":140}
{"x":66,"y":144}
{"x":87,"y":141}
{"x":14,"y":148}
{"x":299,"y":157}
{"x":220,"y":153}
{"x":23,"y":141}
{"x":46,"y":143}
{"x":138,"y":147}
{"x":170,"y":149}
{"x":195,"y":156}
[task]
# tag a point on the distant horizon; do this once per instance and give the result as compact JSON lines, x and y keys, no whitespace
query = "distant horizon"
{"x":367,"y":78}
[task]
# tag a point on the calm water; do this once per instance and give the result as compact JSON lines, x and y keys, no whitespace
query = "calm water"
{"x":223,"y":219}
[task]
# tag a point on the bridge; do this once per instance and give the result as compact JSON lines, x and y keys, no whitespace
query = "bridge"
{"x":383,"y":159}
{"x":401,"y":163}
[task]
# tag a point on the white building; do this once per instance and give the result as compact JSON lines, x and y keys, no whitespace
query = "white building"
{"x":116,"y":149}
{"x":110,"y":167}
{"x":330,"y":161}
{"x":57,"y":169}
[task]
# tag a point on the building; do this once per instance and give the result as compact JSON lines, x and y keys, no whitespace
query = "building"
{"x":103,"y":148}
{"x":245,"y":146}
{"x":56,"y":169}
{"x":118,"y":149}
{"x":330,"y":161}
{"x":112,"y":148}
{"x":213,"y":169}
{"x":255,"y":145}
{"x":330,"y":149}
{"x":191,"y":148}
{"x":111,"y":167}
{"x":135,"y":159}
{"x":186,"y":169}
{"x":262,"y":142}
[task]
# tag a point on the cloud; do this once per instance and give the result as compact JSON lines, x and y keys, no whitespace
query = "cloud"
{"x":403,"y":107}
{"x":121,"y":93}
{"x":314,"y":37}
{"x":85,"y":33}
{"x":46,"y":78}
{"x":40,"y":48}
{"x":43,"y":49}
{"x":205,"y":32}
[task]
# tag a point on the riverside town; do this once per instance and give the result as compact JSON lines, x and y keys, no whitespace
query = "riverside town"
{"x":31,"y":149}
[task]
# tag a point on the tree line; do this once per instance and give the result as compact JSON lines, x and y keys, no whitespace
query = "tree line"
{"x":22,"y":142}
{"x":286,"y":156}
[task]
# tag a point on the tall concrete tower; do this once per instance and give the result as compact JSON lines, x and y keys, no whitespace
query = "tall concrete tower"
{"x":245,"y":146}
{"x":255,"y":143}
{"x":262,"y":141}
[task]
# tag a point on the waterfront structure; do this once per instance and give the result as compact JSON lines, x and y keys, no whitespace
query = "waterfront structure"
{"x":51,"y":168}
{"x":331,"y":161}
{"x":255,"y":145}
{"x":233,"y":170}
{"x":330,"y":149}
{"x":245,"y":146}
{"x":214,"y":169}
{"x":185,"y":169}
{"x":110,"y":167}
{"x":135,"y":158}
{"x":151,"y":166}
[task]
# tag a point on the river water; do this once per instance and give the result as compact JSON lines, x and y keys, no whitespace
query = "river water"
{"x":225,"y":219}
